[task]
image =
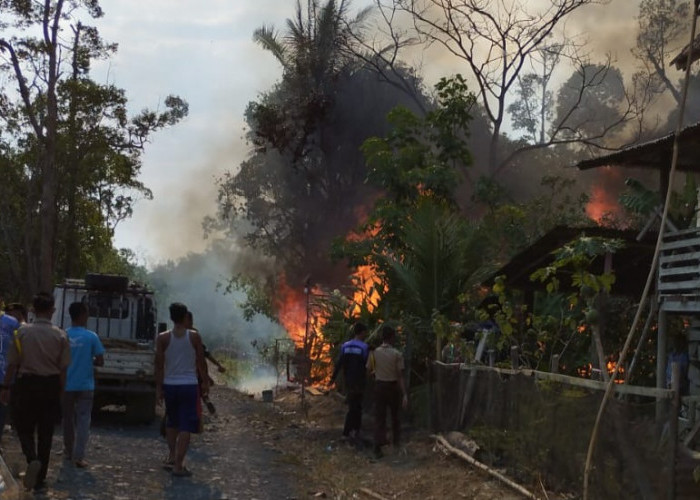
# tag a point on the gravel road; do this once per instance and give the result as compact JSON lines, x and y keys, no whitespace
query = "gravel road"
{"x":228,"y":461}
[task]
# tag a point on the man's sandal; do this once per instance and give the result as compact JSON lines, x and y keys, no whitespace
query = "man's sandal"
{"x":185,"y":472}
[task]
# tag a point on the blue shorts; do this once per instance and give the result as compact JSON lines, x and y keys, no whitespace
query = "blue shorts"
{"x":182,"y":407}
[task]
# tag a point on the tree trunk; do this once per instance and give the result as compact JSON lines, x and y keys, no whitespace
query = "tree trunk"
{"x":49,"y":178}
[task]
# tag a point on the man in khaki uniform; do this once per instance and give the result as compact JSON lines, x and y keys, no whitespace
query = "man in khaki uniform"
{"x":39,"y":358}
{"x":389,"y":390}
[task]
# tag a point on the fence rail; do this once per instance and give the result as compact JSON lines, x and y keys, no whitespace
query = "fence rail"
{"x":635,"y":390}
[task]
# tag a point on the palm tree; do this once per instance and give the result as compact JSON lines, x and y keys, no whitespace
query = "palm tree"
{"x":441,"y":260}
{"x":314,"y":50}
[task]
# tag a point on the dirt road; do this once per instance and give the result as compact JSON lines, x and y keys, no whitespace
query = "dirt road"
{"x":257,"y":450}
{"x":227,"y":461}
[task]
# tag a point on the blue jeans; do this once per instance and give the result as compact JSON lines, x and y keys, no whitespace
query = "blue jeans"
{"x":77,"y":411}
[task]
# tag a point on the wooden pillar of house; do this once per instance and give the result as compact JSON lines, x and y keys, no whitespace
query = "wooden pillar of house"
{"x":661,"y":341}
{"x":694,"y":357}
{"x":663,"y":183}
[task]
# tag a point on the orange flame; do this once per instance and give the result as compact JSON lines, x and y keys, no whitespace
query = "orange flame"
{"x":297,"y":313}
{"x":368,"y":283}
{"x":601,"y":204}
{"x":610,"y":365}
{"x":603,"y":201}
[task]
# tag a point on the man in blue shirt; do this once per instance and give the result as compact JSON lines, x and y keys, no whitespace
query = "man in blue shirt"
{"x":8,"y":325}
{"x":86,"y":353}
{"x":352,"y":360}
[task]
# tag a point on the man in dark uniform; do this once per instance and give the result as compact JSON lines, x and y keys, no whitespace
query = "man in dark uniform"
{"x":352,"y":360}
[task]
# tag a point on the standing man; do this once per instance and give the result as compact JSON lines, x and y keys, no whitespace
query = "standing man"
{"x":86,"y":352}
{"x":8,"y":325}
{"x":389,"y":390}
{"x":39,"y":358}
{"x":352,"y":360}
{"x":179,"y":362}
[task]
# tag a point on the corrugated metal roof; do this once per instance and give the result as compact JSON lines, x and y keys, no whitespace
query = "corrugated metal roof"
{"x":654,"y":154}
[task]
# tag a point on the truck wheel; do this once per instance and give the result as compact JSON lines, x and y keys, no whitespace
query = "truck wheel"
{"x":141,"y":409}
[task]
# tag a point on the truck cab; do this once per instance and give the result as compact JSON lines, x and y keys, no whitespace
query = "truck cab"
{"x":123,"y":314}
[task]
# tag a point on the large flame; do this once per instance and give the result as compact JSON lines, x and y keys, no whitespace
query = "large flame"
{"x":603,"y":200}
{"x":368,"y":284}
{"x":368,"y":290}
{"x":298,"y":313}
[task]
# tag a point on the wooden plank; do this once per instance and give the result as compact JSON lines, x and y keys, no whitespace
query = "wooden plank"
{"x":680,"y":285}
{"x":682,"y":232}
{"x":679,"y":257}
{"x":685,"y":243}
{"x":579,"y":382}
{"x":676,"y":306}
{"x":690,"y":271}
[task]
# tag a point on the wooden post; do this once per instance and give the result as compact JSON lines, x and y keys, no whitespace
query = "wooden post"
{"x":661,"y":360}
{"x":555,"y":364}
{"x":515,"y":357}
{"x":673,"y":425}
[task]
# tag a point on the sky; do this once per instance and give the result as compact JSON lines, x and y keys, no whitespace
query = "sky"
{"x":202,"y":50}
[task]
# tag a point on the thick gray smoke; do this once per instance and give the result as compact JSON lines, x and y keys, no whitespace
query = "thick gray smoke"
{"x":199,"y":281}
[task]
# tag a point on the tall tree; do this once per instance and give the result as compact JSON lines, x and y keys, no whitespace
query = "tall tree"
{"x":533,"y":108}
{"x":662,"y":24}
{"x":497,"y":41}
{"x":303,"y":183}
{"x":70,"y":141}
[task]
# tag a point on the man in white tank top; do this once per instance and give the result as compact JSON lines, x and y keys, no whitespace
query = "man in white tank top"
{"x":180,"y":381}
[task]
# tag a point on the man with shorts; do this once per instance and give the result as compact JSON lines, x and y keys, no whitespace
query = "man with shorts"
{"x":179,"y":363}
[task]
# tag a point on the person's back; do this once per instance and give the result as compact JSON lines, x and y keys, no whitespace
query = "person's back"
{"x":354,"y":353}
{"x":387,"y":364}
{"x":8,"y":326}
{"x":180,"y":360}
{"x":352,"y":360}
{"x":179,"y":364}
{"x":39,"y":358}
{"x":84,"y":346}
{"x":86,"y":353}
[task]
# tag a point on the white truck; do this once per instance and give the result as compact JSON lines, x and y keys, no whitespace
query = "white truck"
{"x":123,"y":314}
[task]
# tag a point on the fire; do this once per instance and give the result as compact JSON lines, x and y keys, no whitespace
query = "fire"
{"x":369,"y":286}
{"x":603,"y":201}
{"x":601,"y":204}
{"x":610,"y":366}
{"x":299,"y":314}
{"x":368,"y":289}
{"x":291,"y":311}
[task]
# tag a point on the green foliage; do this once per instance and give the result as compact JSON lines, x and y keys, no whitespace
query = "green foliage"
{"x":425,"y":251}
{"x":514,"y":225}
{"x":68,"y":144}
{"x":641,"y":201}
{"x":561,"y":320}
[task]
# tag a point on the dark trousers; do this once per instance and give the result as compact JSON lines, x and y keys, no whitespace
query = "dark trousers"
{"x":386,"y":395}
{"x":353,"y":418}
{"x":36,"y":409}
